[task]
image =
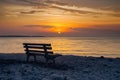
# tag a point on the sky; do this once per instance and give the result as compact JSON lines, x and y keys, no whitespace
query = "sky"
{"x":60,"y":17}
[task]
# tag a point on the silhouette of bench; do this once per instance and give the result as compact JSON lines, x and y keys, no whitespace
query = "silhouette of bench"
{"x":36,"y":49}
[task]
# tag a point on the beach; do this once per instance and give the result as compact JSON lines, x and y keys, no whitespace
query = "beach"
{"x":67,"y":67}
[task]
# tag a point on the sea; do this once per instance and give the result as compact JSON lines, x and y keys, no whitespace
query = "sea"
{"x":78,"y":46}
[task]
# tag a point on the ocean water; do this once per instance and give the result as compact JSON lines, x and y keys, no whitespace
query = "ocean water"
{"x":81,"y":46}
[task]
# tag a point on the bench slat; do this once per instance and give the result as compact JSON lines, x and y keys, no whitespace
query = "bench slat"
{"x":36,"y":44}
{"x":38,"y":47}
{"x":37,"y":51}
{"x":34,"y":53}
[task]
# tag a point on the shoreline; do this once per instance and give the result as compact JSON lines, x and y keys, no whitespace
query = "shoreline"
{"x":68,"y":67}
{"x":93,"y":55}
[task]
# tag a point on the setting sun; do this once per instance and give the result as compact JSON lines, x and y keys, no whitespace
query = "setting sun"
{"x":59,"y":32}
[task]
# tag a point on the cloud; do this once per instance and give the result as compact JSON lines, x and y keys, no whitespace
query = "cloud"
{"x":73,"y":10}
{"x":20,"y":2}
{"x":98,"y":30}
{"x":77,"y":6}
{"x":111,"y":8}
{"x":102,"y":27}
{"x":39,"y":26}
{"x":105,"y":7}
{"x":85,"y":10}
{"x":115,"y":15}
{"x":40,"y":4}
{"x":30,"y":12}
{"x":56,"y":2}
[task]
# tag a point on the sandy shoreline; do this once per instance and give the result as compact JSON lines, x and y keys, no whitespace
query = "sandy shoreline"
{"x":68,"y":67}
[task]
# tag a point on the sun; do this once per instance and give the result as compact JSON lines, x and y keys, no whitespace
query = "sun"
{"x":59,"y":28}
{"x":59,"y":32}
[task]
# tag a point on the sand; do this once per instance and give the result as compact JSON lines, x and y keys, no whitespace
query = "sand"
{"x":67,"y":67}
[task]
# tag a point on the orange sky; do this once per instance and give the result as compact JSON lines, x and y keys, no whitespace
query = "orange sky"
{"x":64,"y":18}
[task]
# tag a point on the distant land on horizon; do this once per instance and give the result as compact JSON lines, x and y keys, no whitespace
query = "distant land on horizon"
{"x":20,"y":36}
{"x":49,"y":36}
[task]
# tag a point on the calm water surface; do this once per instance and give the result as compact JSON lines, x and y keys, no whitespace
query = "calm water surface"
{"x":82,"y":46}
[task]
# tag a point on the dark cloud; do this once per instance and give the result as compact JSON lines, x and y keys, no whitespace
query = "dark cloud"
{"x":31,"y":2}
{"x":74,"y":10}
{"x":42,"y":4}
{"x":111,"y":5}
{"x":115,"y":15}
{"x":111,"y":8}
{"x":30,"y":12}
{"x":100,"y":27}
{"x":99,"y":4}
{"x":40,"y":26}
{"x":105,"y":5}
{"x":20,"y":2}
{"x":98,"y":30}
{"x":56,"y":2}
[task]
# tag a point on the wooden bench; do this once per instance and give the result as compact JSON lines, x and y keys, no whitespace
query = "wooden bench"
{"x":37,"y":49}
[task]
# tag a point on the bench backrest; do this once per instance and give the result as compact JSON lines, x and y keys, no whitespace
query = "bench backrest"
{"x":35,"y":48}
